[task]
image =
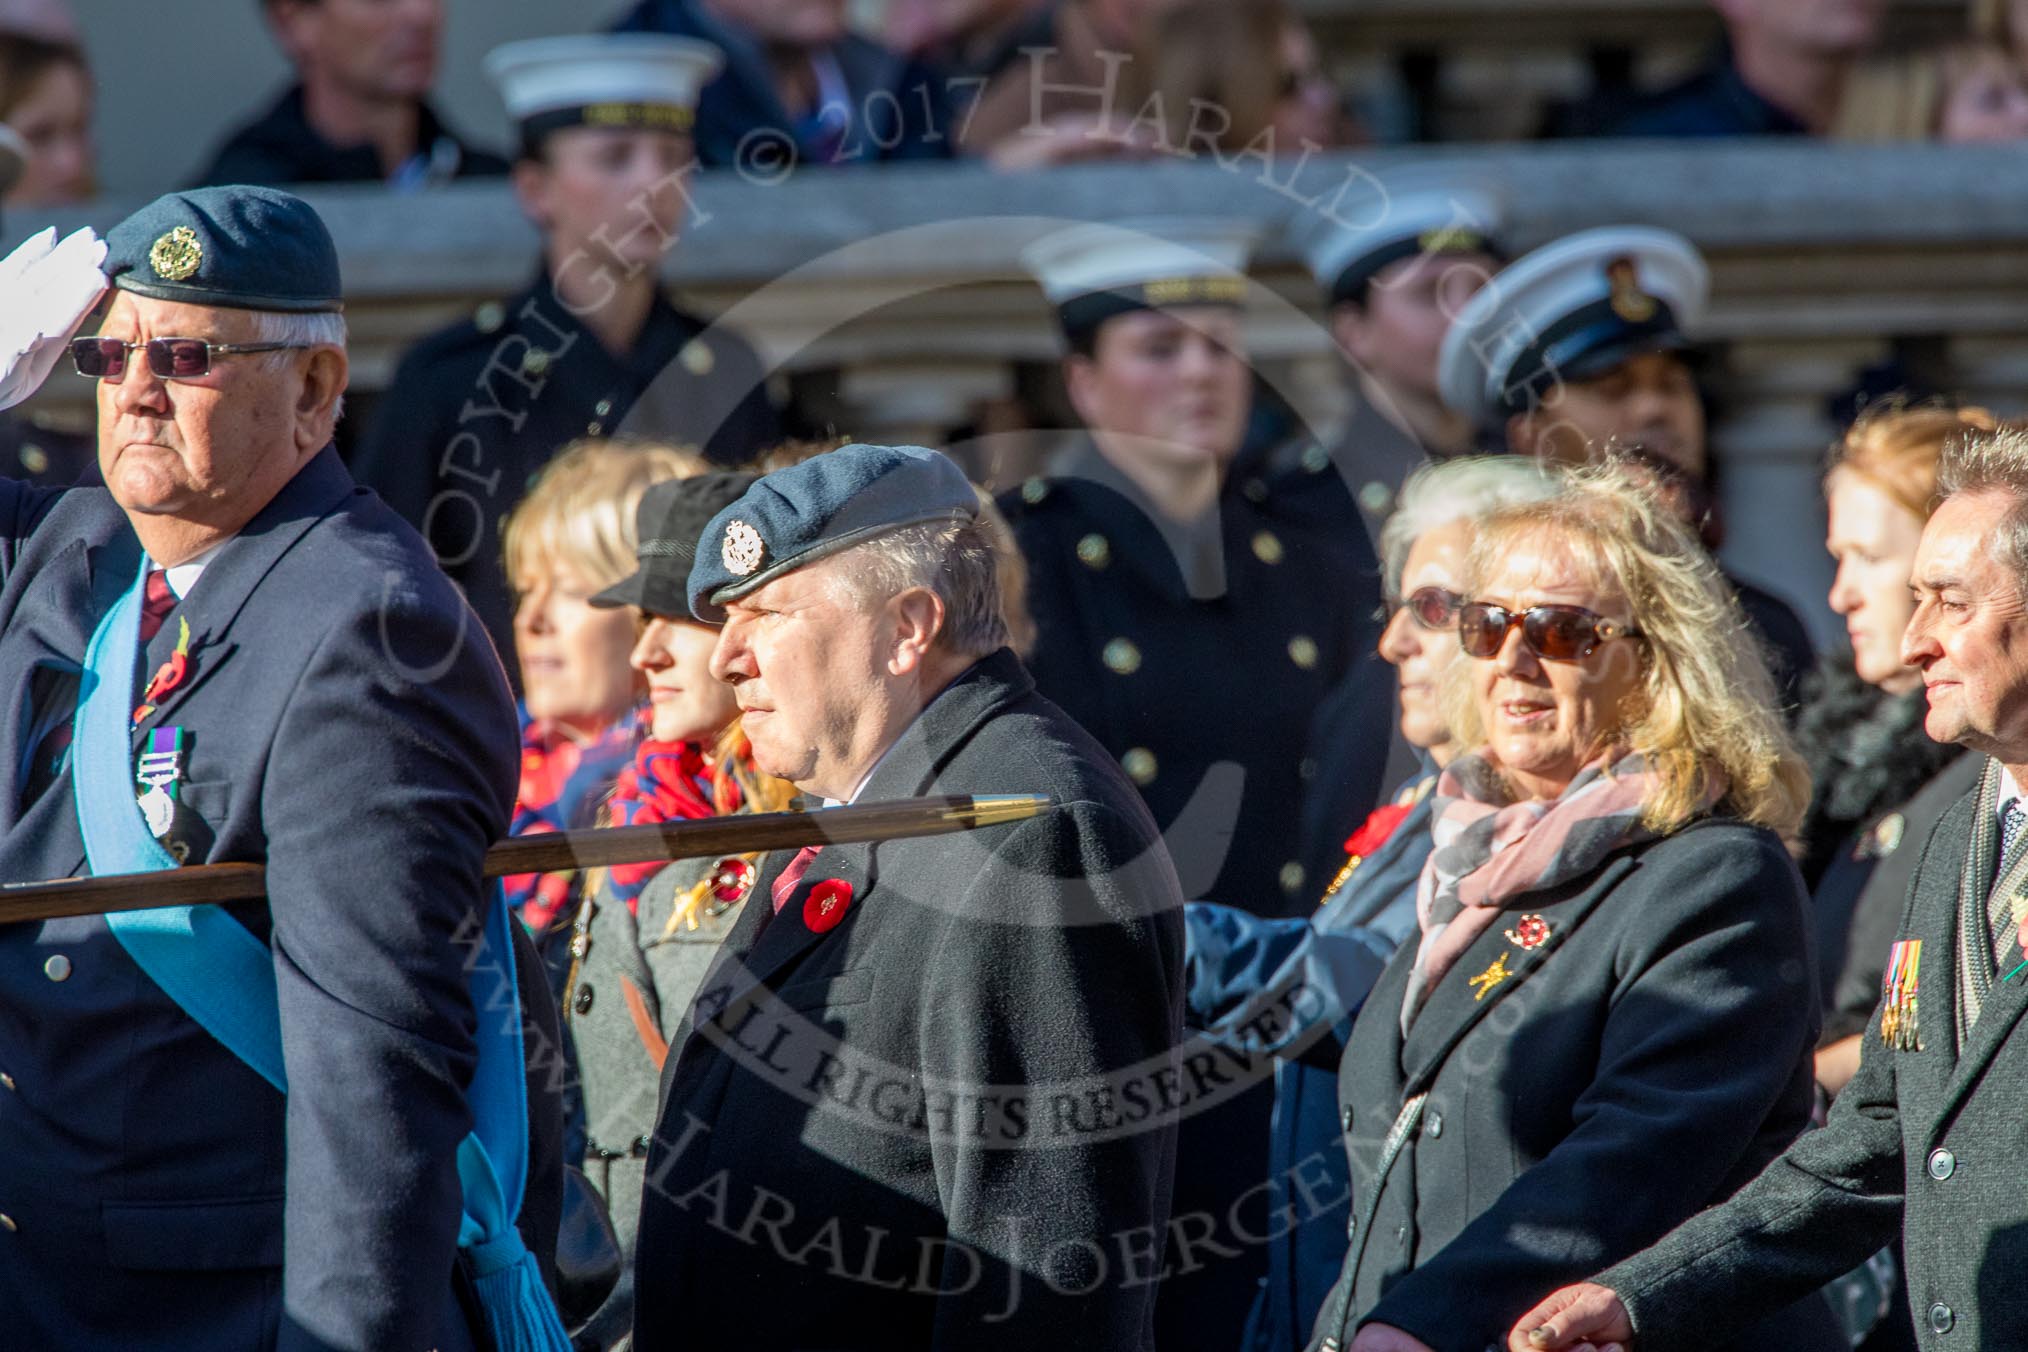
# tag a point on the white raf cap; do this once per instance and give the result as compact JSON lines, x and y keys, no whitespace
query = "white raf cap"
{"x":1571,"y":310}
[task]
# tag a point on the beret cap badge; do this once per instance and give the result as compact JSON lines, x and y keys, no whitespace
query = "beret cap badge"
{"x":743,"y":549}
{"x":176,"y":255}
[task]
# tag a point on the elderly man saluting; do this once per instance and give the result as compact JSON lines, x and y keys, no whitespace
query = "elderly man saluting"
{"x":1926,"y":1139}
{"x":925,"y":1098}
{"x":297,"y":1124}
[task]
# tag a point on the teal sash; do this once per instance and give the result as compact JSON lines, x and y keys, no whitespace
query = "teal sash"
{"x":224,"y":978}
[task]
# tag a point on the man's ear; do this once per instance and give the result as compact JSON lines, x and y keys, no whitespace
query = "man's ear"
{"x":1521,"y":434}
{"x":1353,"y":333}
{"x":293,"y":23}
{"x":918,"y":620}
{"x":325,"y":371}
{"x":1081,"y":383}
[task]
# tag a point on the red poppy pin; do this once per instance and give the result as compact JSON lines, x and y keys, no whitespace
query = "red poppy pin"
{"x":1531,"y":932}
{"x":826,"y":905}
{"x":1377,"y":828}
{"x":169,"y":675}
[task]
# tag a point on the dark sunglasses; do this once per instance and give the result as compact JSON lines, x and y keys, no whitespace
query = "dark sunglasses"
{"x":1434,"y":608}
{"x":1554,"y":633}
{"x":168,"y":358}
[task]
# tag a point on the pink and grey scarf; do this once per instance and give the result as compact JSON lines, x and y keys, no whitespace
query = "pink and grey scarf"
{"x":1493,"y":851}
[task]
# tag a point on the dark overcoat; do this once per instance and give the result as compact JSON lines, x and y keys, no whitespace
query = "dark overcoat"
{"x":475,"y":412}
{"x":1926,"y":1143}
{"x":1644,"y":1059}
{"x":347,"y":726}
{"x":889,"y":1123}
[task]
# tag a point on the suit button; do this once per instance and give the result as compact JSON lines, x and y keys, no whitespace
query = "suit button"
{"x":7,"y":1223}
{"x":1139,"y":763}
{"x":1940,"y":1318}
{"x":57,"y":967}
{"x":1435,"y":1125}
{"x":583,"y":1003}
{"x":1942,"y":1164}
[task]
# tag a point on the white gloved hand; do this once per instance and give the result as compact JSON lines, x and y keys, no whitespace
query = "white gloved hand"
{"x":46,"y":290}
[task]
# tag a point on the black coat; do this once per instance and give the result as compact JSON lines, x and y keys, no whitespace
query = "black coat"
{"x":869,"y":1134}
{"x":280,"y":148}
{"x":477,"y":410}
{"x":342,"y":729}
{"x":1924,"y":1143}
{"x":1642,"y":1062}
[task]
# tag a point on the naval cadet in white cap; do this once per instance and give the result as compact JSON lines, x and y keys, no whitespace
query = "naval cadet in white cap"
{"x":592,"y":346}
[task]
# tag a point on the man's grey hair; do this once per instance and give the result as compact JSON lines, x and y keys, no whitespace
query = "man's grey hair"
{"x":1457,"y":490}
{"x":954,"y":559}
{"x":1993,"y":462}
{"x":317,"y":328}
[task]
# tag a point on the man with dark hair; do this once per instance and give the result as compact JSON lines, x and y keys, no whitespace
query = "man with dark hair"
{"x":1923,"y":1140}
{"x":950,"y":1140}
{"x":300,"y":1123}
{"x":592,"y":346}
{"x":359,"y":111}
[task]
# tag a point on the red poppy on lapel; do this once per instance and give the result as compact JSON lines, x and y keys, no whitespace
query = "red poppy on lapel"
{"x":732,"y":880}
{"x":169,"y":675}
{"x":1377,"y":829}
{"x":826,"y":905}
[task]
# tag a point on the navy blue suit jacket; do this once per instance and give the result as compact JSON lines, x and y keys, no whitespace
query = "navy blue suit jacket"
{"x":348,"y":726}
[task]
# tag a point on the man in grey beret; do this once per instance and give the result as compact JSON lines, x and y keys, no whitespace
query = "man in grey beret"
{"x":248,"y":1126}
{"x":926,"y":1096}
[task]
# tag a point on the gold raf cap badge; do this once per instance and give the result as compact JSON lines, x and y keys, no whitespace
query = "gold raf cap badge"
{"x":176,"y":256}
{"x":1629,"y":302}
{"x":742,"y":550}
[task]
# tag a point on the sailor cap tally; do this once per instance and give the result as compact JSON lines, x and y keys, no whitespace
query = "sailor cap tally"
{"x":1092,"y":273}
{"x":629,"y":80}
{"x":1572,"y":310}
{"x":1410,"y":215}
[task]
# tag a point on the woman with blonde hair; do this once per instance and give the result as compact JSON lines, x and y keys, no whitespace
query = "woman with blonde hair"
{"x":1605,"y":982}
{"x":572,"y":536}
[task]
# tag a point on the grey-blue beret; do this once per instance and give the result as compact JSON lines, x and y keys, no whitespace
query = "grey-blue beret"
{"x":809,"y":511}
{"x":241,"y":247}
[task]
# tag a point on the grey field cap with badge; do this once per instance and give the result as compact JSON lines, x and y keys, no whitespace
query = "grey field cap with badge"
{"x":810,"y":511}
{"x":238,"y":247}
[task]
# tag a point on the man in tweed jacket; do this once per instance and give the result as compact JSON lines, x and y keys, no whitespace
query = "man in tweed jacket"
{"x":1929,"y":1135}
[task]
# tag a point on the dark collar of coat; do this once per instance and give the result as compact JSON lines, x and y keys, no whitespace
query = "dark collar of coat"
{"x":230,"y":579}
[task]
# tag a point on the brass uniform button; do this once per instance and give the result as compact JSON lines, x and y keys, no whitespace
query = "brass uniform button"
{"x":1267,"y":547}
{"x":535,"y":362}
{"x":1034,"y":491}
{"x":7,"y":1223}
{"x":697,"y":357}
{"x":1376,"y":498}
{"x":1315,"y":458}
{"x":1139,"y":763}
{"x":1253,"y":490}
{"x":489,"y":317}
{"x":592,"y":429}
{"x":1303,"y":651}
{"x":1121,"y":657}
{"x":1094,"y":552}
{"x":1291,"y":877}
{"x":34,"y":459}
{"x":602,"y":407}
{"x":6,"y":1081}
{"x":583,"y":1003}
{"x":57,"y":967}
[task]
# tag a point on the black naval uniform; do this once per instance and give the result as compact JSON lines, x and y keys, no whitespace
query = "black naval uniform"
{"x":1206,"y":694}
{"x":280,"y":148}
{"x":476,"y":411}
